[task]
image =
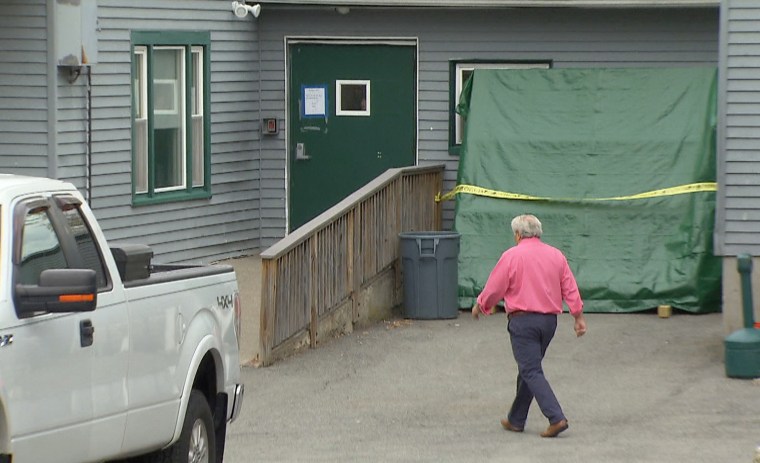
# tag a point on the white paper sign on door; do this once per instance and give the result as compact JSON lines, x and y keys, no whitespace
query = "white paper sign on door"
{"x":314,"y":101}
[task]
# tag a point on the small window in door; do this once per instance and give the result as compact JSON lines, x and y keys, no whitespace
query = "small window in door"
{"x":352,"y":98}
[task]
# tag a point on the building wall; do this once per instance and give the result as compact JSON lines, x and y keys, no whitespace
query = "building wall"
{"x":226,"y":225}
{"x":738,"y":209}
{"x":201,"y":230}
{"x":248,"y":207}
{"x":738,"y":220}
{"x":23,"y":87}
{"x":568,"y":37}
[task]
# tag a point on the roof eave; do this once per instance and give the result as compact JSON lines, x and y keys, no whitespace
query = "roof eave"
{"x":468,"y":4}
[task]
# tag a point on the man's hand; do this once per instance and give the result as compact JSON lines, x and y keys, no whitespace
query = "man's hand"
{"x":476,"y":311}
{"x":580,"y":325}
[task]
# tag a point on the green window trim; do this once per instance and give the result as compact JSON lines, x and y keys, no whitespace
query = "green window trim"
{"x":456,"y":84}
{"x":171,"y":196}
{"x":189,"y":169}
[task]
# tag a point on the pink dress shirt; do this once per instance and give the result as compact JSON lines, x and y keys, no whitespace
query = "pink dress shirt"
{"x":533,"y":277}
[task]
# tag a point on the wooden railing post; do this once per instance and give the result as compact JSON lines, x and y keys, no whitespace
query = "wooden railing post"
{"x":313,"y":288}
{"x":268,"y":301}
{"x":351,"y":242}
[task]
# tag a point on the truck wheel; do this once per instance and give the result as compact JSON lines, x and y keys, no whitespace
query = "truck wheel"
{"x":197,"y":442}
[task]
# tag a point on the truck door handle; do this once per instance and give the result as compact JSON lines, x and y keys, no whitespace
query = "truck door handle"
{"x":86,"y":333}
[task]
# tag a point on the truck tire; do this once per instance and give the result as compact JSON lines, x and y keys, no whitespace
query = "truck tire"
{"x":197,"y":441}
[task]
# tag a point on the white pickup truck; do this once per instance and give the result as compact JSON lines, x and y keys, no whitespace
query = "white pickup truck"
{"x":104,"y":355}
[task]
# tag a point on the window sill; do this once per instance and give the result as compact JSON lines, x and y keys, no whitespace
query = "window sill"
{"x":169,"y":197}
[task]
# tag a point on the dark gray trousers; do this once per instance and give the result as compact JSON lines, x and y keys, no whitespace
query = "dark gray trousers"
{"x":530,"y":335}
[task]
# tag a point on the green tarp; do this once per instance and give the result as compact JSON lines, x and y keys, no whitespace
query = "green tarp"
{"x":619,"y":166}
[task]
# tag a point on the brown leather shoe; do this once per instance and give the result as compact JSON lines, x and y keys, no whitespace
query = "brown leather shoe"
{"x":554,"y":429}
{"x":509,"y":426}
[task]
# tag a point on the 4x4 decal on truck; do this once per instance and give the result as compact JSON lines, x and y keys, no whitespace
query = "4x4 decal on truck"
{"x":224,"y":301}
{"x":6,"y":339}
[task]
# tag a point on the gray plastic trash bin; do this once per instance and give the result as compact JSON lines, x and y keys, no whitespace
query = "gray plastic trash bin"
{"x":429,"y":265}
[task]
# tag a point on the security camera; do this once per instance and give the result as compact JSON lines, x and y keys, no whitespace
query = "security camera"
{"x":241,"y":10}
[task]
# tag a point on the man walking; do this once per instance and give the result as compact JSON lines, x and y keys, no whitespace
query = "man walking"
{"x":532,"y":278}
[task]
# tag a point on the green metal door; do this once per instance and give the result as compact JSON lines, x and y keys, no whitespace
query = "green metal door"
{"x":352,"y":116}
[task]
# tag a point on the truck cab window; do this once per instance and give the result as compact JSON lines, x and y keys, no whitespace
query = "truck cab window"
{"x":86,"y":246}
{"x":40,"y":248}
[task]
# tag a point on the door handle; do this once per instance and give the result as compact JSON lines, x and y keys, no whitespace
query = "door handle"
{"x":301,"y":152}
{"x":86,"y":333}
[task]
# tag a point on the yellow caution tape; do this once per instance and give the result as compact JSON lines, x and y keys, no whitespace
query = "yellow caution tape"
{"x":672,"y":191}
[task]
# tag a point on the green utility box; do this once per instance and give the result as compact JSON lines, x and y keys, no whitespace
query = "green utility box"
{"x":743,"y":346}
{"x":743,"y":353}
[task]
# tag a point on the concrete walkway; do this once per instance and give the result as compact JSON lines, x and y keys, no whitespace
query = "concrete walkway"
{"x":636,"y":388}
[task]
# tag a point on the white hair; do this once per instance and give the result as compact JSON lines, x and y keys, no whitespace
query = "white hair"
{"x":527,"y":225}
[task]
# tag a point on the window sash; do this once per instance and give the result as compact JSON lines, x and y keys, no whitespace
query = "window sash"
{"x":197,"y":119}
{"x":169,"y":131}
{"x":170,"y":123}
{"x":141,"y":120}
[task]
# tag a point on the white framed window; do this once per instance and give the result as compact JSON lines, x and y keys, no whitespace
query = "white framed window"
{"x":352,"y":98}
{"x":462,"y":71}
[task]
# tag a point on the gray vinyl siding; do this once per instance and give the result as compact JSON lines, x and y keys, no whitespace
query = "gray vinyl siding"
{"x":226,"y":225}
{"x":247,"y":210}
{"x":273,"y":161}
{"x":568,"y":37}
{"x":23,"y":87}
{"x":71,"y":133}
{"x":496,"y":3}
{"x":44,"y":126}
{"x":738,"y":211}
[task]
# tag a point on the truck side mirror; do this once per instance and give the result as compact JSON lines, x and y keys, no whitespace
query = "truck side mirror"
{"x":59,"y":291}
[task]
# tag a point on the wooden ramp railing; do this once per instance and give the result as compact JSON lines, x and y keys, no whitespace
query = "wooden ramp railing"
{"x":342,"y":268}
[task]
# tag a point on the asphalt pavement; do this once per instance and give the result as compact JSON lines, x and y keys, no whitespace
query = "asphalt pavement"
{"x":636,"y":388}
